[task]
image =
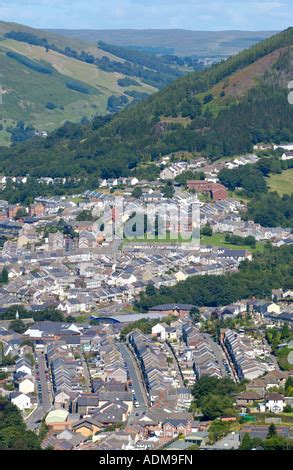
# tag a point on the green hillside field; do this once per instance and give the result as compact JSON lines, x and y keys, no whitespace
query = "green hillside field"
{"x":25,"y":92}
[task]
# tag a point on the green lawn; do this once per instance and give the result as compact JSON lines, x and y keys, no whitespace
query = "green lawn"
{"x":166,"y":240}
{"x":218,"y":239}
{"x":282,"y":183}
{"x":238,"y":196}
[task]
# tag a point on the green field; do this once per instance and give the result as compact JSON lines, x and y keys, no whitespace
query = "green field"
{"x":282,"y":183}
{"x":218,"y":239}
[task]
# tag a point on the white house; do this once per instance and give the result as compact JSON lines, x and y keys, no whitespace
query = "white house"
{"x":22,"y":401}
{"x":23,"y":367}
{"x":133,"y":181}
{"x":275,"y":403}
{"x":273,"y":308}
{"x":27,"y":385}
{"x":164,"y":332}
{"x":126,"y":279}
{"x":159,"y":330}
{"x":284,"y":146}
{"x":168,"y":173}
{"x":60,"y":399}
{"x":287,"y":156}
{"x":288,"y":293}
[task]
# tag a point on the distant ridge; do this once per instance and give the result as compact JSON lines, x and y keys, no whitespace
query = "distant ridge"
{"x":181,"y":41}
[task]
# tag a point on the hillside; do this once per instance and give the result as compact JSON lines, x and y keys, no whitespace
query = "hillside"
{"x":226,"y":109}
{"x":27,"y":90}
{"x":174,"y":41}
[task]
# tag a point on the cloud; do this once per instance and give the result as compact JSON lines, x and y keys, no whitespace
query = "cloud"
{"x":185,"y":14}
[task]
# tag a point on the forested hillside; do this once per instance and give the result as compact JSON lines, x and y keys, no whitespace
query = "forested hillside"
{"x":214,"y":123}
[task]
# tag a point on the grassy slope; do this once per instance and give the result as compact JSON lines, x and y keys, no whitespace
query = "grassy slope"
{"x":26,"y":92}
{"x":57,"y":39}
{"x":282,"y":183}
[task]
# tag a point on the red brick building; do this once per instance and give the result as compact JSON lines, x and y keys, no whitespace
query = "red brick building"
{"x":37,"y":210}
{"x":179,"y":310}
{"x":12,"y":210}
{"x":217,"y":191}
{"x":174,"y":427}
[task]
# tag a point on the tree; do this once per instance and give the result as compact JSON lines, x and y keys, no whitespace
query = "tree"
{"x":217,"y":430}
{"x":195,"y":314}
{"x":137,"y":192}
{"x":18,"y":326}
{"x":272,"y":432}
{"x":247,"y":442}
{"x":13,"y":433}
{"x":168,"y":190}
{"x":285,"y":332}
{"x":85,"y":215}
{"x":216,"y":406}
{"x":277,"y":443}
{"x":208,"y":98}
{"x":20,"y":213}
{"x":4,"y":275}
{"x":287,"y":409}
{"x":207,"y":230}
{"x":150,"y":289}
{"x":289,"y":387}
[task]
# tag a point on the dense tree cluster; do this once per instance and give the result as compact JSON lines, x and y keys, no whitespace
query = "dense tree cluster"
{"x":214,"y":396}
{"x":148,"y":67}
{"x":13,"y":433}
{"x":246,"y":177}
{"x":50,"y":314}
{"x":125,"y":82}
{"x":270,"y":210}
{"x":272,"y":442}
{"x":32,"y":64}
{"x":116,"y":103}
{"x":21,"y":132}
{"x":240,"y":241}
{"x":136,"y":95}
{"x":195,"y":63}
{"x":25,"y":193}
{"x":85,"y":215}
{"x":283,"y":336}
{"x":75,"y":86}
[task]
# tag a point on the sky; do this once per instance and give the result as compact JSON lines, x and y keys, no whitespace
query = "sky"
{"x":210,"y":15}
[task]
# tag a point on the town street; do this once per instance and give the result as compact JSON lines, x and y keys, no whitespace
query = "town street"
{"x":45,"y":404}
{"x":136,"y":379}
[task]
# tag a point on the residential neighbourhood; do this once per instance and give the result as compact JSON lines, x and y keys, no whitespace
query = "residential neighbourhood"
{"x":78,"y":362}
